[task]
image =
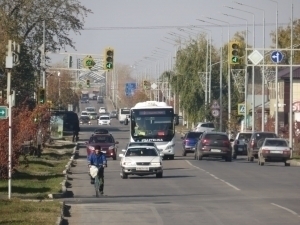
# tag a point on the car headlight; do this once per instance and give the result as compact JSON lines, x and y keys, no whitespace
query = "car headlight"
{"x":89,"y":121}
{"x":128,"y":163}
{"x":80,"y":121}
{"x":155,"y":163}
{"x":111,"y":147}
{"x":169,"y":147}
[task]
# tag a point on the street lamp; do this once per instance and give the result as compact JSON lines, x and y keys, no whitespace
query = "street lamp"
{"x":263,"y":71}
{"x":246,"y":80}
{"x":253,"y":72}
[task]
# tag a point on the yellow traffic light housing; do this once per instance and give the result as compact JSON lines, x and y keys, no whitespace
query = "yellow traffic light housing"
{"x":41,"y":96}
{"x":109,"y":59}
{"x":234,"y":53}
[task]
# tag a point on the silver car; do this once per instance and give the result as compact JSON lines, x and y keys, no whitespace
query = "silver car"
{"x":274,"y":149}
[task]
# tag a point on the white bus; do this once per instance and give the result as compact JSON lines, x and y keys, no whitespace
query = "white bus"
{"x":123,"y":114}
{"x":153,"y":121}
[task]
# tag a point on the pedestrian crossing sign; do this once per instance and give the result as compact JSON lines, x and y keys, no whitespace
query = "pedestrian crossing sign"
{"x":241,"y":109}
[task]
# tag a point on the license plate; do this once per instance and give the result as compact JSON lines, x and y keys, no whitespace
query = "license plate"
{"x":103,"y":151}
{"x":240,"y":149}
{"x":276,"y":152}
{"x":215,"y":150}
{"x":143,"y":168}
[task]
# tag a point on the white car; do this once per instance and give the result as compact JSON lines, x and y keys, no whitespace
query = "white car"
{"x":141,"y":161}
{"x":104,"y":120}
{"x":102,"y":110}
{"x":84,"y":113}
{"x":205,"y":127}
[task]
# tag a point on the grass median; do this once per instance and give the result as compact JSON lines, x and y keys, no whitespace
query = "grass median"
{"x":35,"y":178}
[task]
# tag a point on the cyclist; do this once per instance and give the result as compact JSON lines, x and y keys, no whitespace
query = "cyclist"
{"x":98,"y":159}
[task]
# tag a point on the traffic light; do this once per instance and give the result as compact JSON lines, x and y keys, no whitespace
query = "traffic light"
{"x":234,"y":53}
{"x":42,"y":96}
{"x":109,"y":59}
{"x":88,"y":83}
{"x":146,"y":84}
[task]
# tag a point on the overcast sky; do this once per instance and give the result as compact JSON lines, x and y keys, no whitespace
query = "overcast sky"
{"x":135,"y":28}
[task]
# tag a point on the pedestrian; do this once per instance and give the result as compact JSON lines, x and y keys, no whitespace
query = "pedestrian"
{"x":98,"y":159}
{"x":76,"y":130}
{"x":39,"y":140}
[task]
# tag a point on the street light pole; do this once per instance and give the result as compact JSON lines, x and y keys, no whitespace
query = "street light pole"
{"x":58,"y":74}
{"x":291,"y":85}
{"x":263,"y":71}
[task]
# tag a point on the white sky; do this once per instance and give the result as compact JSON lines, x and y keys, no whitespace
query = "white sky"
{"x":128,"y":23}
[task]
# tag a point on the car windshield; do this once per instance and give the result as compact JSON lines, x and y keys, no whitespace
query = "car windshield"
{"x":104,"y":118}
{"x":101,"y":139}
{"x":93,"y":114}
{"x":90,"y":109}
{"x":244,"y":136}
{"x":84,"y":113}
{"x":141,"y":152}
{"x":260,"y":136}
{"x":216,"y":137}
{"x":141,"y":144}
{"x":281,"y":143}
{"x":84,"y":118}
{"x":193,"y":134}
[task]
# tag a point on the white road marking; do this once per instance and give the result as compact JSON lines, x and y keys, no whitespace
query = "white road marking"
{"x":212,"y":175}
{"x":157,"y":216}
{"x":286,"y":209}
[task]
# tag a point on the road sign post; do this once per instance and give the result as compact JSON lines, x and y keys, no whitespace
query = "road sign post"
{"x":215,"y":108}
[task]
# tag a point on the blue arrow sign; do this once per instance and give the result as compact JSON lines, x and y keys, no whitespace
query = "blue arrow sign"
{"x":130,"y":89}
{"x":3,"y":112}
{"x":276,"y":56}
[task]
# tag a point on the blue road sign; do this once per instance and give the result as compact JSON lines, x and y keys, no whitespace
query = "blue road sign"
{"x":130,"y":89}
{"x":276,"y":56}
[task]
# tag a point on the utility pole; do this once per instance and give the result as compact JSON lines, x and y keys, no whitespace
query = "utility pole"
{"x":43,"y":57}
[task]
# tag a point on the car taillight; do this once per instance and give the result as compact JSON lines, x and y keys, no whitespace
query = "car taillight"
{"x":205,"y":141}
{"x":286,"y":152}
{"x":226,"y":142}
{"x":265,"y":151}
{"x":252,"y":143}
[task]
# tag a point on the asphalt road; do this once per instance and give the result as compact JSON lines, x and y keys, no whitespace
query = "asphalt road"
{"x":211,"y":191}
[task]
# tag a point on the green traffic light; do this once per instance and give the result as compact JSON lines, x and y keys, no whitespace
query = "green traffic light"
{"x":109,"y":65}
{"x":235,"y":59}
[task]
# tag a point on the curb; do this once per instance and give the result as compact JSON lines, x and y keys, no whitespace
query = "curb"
{"x":60,"y":219}
{"x":294,"y":162}
{"x":65,"y":172}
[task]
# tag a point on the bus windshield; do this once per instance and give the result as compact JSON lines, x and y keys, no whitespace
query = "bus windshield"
{"x":154,"y":124}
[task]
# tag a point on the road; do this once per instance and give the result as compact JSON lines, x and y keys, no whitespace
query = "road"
{"x":209,"y":192}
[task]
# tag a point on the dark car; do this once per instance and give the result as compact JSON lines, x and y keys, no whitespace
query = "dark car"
{"x":94,"y":97}
{"x":214,"y":144}
{"x":106,"y":142}
{"x":85,"y":120}
{"x":240,"y":144}
{"x":189,"y":142}
{"x":70,"y":119}
{"x":255,"y":142}
{"x":84,"y":100}
{"x":100,"y":99}
{"x":113,"y":114}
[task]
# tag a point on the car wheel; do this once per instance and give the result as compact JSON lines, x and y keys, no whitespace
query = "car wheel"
{"x":124,"y":175}
{"x":183,"y":153}
{"x":286,"y":163}
{"x":159,"y":175}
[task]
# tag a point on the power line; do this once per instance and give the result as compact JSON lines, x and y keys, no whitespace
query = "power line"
{"x":178,"y":26}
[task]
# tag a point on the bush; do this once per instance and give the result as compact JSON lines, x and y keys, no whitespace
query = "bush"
{"x":25,"y":124}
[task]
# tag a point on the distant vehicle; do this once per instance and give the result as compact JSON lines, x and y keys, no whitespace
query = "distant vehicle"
{"x":94,"y":97}
{"x":123,"y":114}
{"x":189,"y":142}
{"x":100,"y":99}
{"x":90,"y":109}
{"x":255,"y":142}
{"x":85,"y":120}
{"x":214,"y":144}
{"x":84,"y":113}
{"x":153,"y":121}
{"x":204,"y":127}
{"x":274,"y":149}
{"x":240,"y":144}
{"x":102,"y":110}
{"x":84,"y":100}
{"x":93,"y":115}
{"x":141,"y":161}
{"x":113,"y":114}
{"x":104,"y":120}
{"x":91,"y":96}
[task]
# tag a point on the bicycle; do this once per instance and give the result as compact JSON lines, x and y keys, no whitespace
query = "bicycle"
{"x":94,"y":171}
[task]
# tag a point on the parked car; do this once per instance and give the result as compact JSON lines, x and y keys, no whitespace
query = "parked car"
{"x":204,"y":127}
{"x":141,"y":161}
{"x":255,"y":142}
{"x":214,"y":144}
{"x":274,"y":149}
{"x":106,"y":142}
{"x":240,"y":144}
{"x":189,"y":142}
